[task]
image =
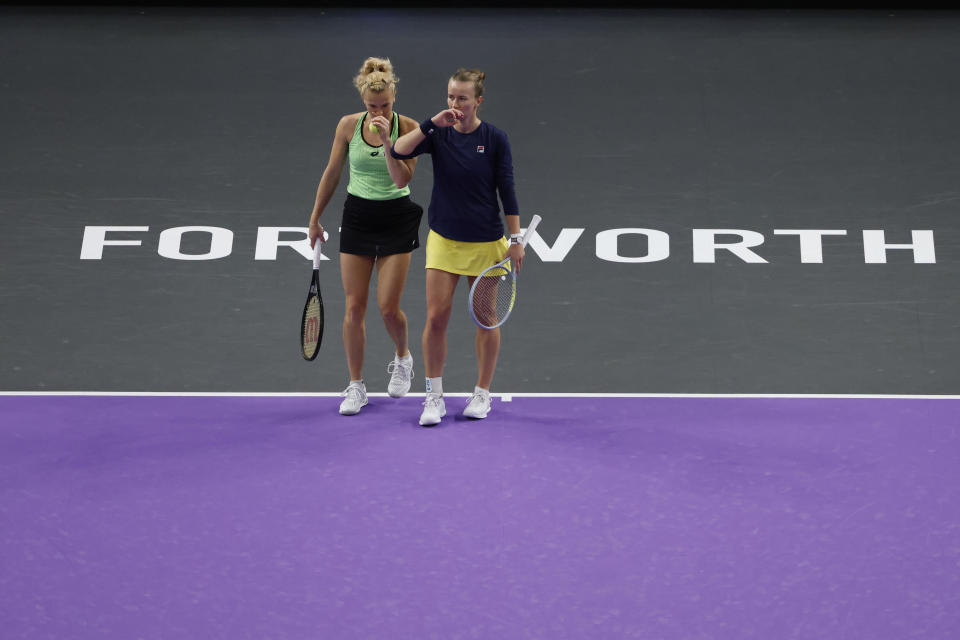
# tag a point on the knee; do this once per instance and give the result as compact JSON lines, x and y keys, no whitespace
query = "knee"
{"x":391,"y":314}
{"x":354,"y":312}
{"x":437,"y":321}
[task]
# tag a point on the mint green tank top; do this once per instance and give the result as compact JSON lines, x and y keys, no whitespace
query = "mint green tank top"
{"x":369,"y":177}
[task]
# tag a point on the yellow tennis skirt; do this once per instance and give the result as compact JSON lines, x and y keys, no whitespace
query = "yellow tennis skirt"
{"x":464,"y":258}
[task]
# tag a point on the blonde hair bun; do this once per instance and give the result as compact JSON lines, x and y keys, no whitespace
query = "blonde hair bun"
{"x":376,"y":74}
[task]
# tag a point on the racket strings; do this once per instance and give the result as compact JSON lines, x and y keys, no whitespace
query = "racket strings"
{"x":311,"y":327}
{"x":494,"y":296}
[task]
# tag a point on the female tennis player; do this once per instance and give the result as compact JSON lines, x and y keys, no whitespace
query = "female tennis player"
{"x":380,"y":225}
{"x":472,"y":164}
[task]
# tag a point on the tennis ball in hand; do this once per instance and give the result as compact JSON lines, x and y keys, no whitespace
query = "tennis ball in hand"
{"x":374,"y":128}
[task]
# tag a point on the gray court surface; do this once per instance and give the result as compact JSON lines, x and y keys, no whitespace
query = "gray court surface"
{"x":822,"y":142}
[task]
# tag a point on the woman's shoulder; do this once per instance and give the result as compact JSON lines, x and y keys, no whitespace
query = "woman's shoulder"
{"x":349,"y":122}
{"x":407,"y":124}
{"x":493,"y":131}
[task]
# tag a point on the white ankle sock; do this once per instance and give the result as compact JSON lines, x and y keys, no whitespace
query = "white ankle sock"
{"x":435,"y":385}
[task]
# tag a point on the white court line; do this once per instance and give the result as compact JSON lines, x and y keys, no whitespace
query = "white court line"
{"x":506,"y":396}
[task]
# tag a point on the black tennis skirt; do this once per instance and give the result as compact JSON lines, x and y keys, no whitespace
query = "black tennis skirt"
{"x":380,"y":227}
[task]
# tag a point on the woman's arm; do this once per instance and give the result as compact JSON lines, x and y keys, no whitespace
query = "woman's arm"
{"x":515,"y":251}
{"x":406,"y":144}
{"x":331,"y":174}
{"x":511,"y":209}
{"x":401,"y":171}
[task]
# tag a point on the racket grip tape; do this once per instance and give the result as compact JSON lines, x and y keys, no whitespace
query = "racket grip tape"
{"x":530,"y":229}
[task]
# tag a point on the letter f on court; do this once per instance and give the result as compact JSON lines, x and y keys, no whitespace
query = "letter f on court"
{"x":94,"y":240}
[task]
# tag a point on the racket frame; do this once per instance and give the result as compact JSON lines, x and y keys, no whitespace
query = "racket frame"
{"x":314,"y":292}
{"x":503,"y":265}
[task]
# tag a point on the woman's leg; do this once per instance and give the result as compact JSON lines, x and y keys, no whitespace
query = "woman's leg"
{"x":355,"y":271}
{"x":440,"y":288}
{"x":391,"y":279}
{"x":488,"y":349}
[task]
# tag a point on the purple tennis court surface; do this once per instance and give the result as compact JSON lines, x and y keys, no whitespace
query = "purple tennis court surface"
{"x":274,"y":517}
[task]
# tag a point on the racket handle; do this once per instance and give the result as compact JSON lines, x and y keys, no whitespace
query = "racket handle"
{"x":529,"y":232}
{"x":316,"y":253}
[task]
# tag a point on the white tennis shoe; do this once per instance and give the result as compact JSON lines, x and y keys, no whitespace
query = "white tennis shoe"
{"x":434,"y":408}
{"x":401,"y":373}
{"x":354,"y":398}
{"x":479,"y":405}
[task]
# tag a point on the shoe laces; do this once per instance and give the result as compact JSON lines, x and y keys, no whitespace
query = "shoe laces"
{"x":401,"y":368}
{"x":353,"y":391}
{"x":482,"y":396}
{"x":433,"y":399}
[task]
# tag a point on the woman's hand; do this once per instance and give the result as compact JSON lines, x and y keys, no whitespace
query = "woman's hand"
{"x":516,"y":253}
{"x":447,"y":117}
{"x":383,"y":128}
{"x":315,"y":230}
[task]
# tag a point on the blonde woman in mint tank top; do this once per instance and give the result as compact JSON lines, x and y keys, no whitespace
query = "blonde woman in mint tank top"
{"x":379,"y":228}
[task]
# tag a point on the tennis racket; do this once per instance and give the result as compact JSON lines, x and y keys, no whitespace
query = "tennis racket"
{"x":493,"y":294}
{"x":311,"y":325}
